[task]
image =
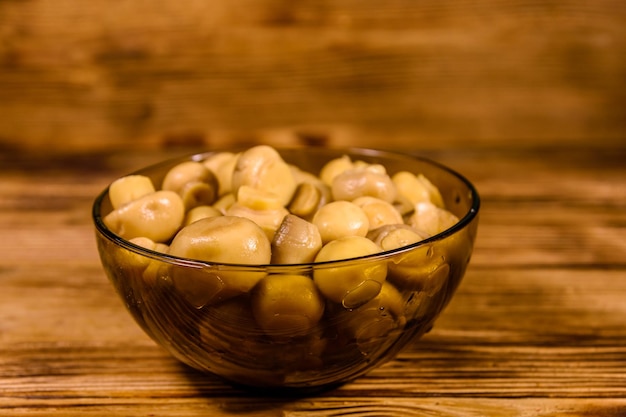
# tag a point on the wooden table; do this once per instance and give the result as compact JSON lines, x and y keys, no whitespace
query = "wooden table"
{"x":537,"y":328}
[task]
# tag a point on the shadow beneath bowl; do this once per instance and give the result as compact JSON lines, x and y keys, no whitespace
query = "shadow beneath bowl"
{"x":236,"y":398}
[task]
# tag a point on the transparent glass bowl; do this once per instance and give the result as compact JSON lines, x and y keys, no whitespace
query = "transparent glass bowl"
{"x":224,"y":338}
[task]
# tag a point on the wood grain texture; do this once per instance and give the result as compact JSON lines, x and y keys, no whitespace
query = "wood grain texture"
{"x":103,"y":74}
{"x":526,"y":98}
{"x":535,"y":329}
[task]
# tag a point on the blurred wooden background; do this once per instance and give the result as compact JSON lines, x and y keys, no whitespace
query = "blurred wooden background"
{"x":86,"y":76}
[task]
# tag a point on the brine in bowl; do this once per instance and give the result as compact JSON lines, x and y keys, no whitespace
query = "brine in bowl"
{"x":297,"y":268}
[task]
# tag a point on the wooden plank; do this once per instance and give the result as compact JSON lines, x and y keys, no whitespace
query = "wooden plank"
{"x":532,"y":335}
{"x":358,"y":407}
{"x":101,"y":75}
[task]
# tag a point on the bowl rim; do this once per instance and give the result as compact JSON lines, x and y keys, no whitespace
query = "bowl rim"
{"x":464,"y":221}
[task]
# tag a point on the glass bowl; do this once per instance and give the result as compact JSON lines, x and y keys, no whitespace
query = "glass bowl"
{"x":347,"y":341}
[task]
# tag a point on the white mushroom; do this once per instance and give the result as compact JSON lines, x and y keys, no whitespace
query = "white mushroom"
{"x":351,"y":284}
{"x":367,"y":181}
{"x":340,"y":218}
{"x":157,"y":216}
{"x":296,"y":241}
{"x":263,"y":168}
{"x":129,"y":188}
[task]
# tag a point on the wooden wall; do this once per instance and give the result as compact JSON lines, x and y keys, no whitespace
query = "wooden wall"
{"x":99,"y":75}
